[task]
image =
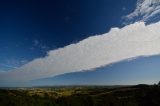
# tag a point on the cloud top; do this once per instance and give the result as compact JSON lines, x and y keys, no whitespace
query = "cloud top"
{"x":117,"y":45}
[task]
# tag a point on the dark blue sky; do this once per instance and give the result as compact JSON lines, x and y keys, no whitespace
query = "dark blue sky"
{"x":29,"y":28}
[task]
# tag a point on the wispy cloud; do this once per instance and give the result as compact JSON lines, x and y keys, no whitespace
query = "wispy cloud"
{"x":39,"y":45}
{"x":13,"y":62}
{"x":2,"y":71}
{"x":9,"y":66}
{"x":129,"y":42}
{"x":35,"y":42}
{"x":145,"y":10}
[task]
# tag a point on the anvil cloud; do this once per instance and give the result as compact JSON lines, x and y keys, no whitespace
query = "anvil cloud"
{"x":132,"y":41}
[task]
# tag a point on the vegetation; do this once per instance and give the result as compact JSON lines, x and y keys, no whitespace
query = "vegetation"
{"x":159,"y":83}
{"x":140,"y":95}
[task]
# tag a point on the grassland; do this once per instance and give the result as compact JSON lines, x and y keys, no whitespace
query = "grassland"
{"x":140,"y":95}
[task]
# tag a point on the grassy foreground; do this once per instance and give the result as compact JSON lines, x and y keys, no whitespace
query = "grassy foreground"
{"x":140,"y":95}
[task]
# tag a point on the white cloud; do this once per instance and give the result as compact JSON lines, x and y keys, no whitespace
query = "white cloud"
{"x":119,"y":44}
{"x":145,"y":10}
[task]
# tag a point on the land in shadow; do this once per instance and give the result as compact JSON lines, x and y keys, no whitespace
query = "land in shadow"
{"x":139,"y":95}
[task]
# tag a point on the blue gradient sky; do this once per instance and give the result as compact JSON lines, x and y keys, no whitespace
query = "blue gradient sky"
{"x":141,"y":70}
{"x":30,"y":28}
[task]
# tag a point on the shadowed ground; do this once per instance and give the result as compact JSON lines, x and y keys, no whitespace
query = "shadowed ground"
{"x":140,"y":95}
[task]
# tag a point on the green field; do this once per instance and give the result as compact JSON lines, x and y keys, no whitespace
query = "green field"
{"x":140,"y":95}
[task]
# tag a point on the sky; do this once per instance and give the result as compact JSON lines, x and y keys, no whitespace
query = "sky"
{"x":54,"y":42}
